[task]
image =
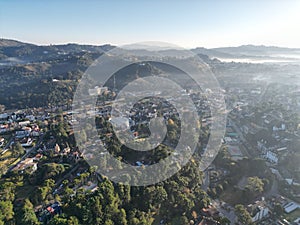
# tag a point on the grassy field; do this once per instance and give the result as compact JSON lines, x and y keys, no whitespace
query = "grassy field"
{"x":7,"y":162}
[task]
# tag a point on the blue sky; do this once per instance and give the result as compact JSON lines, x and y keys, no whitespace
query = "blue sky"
{"x":188,"y":23}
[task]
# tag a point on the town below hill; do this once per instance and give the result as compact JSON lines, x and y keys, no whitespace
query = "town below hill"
{"x":45,"y":178}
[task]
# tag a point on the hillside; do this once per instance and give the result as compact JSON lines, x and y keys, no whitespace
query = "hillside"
{"x":32,"y":75}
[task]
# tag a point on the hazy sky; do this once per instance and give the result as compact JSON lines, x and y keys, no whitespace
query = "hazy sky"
{"x":210,"y":23}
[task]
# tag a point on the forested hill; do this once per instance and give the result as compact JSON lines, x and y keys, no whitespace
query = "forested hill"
{"x":27,"y":72}
{"x":47,"y":75}
{"x":34,"y":76}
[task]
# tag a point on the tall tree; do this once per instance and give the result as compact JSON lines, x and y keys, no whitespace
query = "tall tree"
{"x":6,"y":211}
{"x":29,"y":217}
{"x":243,"y":215}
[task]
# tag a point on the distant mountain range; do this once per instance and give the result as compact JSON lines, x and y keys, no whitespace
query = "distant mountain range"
{"x":38,"y":75}
{"x":12,"y":48}
{"x":251,"y":52}
{"x":11,"y":43}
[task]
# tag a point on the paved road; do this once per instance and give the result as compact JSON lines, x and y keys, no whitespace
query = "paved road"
{"x":229,"y":214}
{"x":27,"y":153}
{"x":274,"y":189}
{"x":241,"y":136}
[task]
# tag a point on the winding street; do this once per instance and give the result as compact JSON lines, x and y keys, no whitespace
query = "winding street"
{"x":27,"y":153}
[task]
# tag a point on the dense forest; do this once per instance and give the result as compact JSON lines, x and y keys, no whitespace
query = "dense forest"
{"x":177,"y":200}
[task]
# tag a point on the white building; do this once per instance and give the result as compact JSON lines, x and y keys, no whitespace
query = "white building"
{"x":97,"y":90}
{"x":24,"y":123}
{"x":262,"y":212}
{"x":280,"y":128}
{"x":272,"y":157}
{"x":290,"y":207}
